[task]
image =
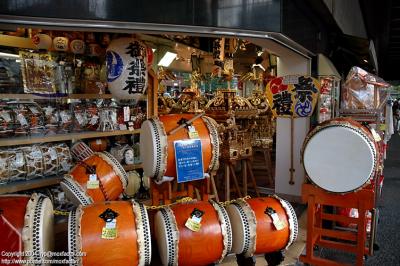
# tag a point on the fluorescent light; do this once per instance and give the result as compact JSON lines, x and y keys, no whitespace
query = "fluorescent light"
{"x":8,"y":55}
{"x":167,"y":59}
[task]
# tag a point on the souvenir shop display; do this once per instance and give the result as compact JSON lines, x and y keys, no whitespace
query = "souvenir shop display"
{"x":137,"y":184}
{"x":120,"y":226}
{"x":80,"y":151}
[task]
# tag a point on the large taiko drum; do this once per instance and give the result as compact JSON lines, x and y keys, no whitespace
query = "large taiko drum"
{"x":340,"y":155}
{"x":157,"y":147}
{"x":179,"y":245}
{"x":26,"y":226}
{"x":98,"y":178}
{"x":262,"y":225}
{"x":110,"y":233}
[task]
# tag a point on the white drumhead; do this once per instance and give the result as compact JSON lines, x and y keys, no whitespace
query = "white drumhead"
{"x":162,"y":237}
{"x":152,"y":148}
{"x":237,"y":228}
{"x":74,"y":192}
{"x":339,"y":159}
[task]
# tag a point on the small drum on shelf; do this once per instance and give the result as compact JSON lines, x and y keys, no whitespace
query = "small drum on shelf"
{"x":50,"y":159}
{"x":205,"y":244}
{"x":157,"y":147}
{"x":26,"y":226}
{"x":110,"y":233}
{"x":98,"y":145}
{"x":98,"y":178}
{"x":262,"y":225}
{"x":64,"y":157}
{"x":134,"y":183}
{"x":12,"y":165}
{"x":80,"y":151}
{"x":34,"y":161}
{"x":340,"y":155}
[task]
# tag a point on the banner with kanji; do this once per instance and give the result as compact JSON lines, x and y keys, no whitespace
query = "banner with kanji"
{"x":292,"y":96}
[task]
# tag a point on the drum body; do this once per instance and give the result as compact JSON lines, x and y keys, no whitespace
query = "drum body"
{"x":134,"y":181}
{"x":98,"y":145}
{"x":50,"y":160}
{"x":111,"y":176}
{"x":178,"y":244}
{"x":157,"y":147}
{"x":253,"y":229}
{"x":340,"y":155}
{"x":80,"y":151}
{"x":131,"y":246}
{"x":64,"y":157}
{"x":26,"y":225}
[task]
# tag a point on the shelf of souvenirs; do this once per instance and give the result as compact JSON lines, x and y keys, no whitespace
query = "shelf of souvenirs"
{"x":11,"y":141}
{"x":131,"y":167}
{"x":26,"y":96}
{"x":29,"y":184}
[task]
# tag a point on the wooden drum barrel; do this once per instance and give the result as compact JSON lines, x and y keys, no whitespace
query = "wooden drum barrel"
{"x":26,"y":226}
{"x":177,"y":244}
{"x":157,"y":147}
{"x":110,"y":180}
{"x":98,"y":145}
{"x":110,"y":233}
{"x":254,"y":231}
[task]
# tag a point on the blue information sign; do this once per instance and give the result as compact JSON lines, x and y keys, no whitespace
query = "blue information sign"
{"x":189,"y":160}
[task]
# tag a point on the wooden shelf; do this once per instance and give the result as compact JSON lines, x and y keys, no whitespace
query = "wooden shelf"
{"x":23,"y":96}
{"x":62,"y":137}
{"x":29,"y":184}
{"x":132,"y":167}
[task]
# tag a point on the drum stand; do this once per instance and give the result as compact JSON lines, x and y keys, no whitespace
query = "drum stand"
{"x":349,"y":241}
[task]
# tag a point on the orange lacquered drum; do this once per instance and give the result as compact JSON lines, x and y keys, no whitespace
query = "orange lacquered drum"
{"x":111,"y":176}
{"x":130,"y":245}
{"x":157,"y":147}
{"x":340,"y":155}
{"x":253,"y":229}
{"x":178,"y":245}
{"x":98,"y":144}
{"x":26,"y":226}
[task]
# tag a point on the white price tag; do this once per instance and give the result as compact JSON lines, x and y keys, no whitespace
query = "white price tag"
{"x":53,"y":153}
{"x":19,"y":159}
{"x":92,"y":177}
{"x":127,"y":113}
{"x":112,"y":224}
{"x":98,"y":141}
{"x":22,"y":120}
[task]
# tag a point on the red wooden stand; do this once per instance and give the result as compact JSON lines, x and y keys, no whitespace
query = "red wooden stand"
{"x":349,"y":241}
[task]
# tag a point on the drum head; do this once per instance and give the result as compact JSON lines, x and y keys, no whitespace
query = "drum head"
{"x":339,"y":158}
{"x":238,"y":229}
{"x":166,"y":235}
{"x":152,"y":148}
{"x":74,"y":192}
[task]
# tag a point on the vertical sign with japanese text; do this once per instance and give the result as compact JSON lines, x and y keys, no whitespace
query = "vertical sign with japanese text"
{"x":292,"y":96}
{"x":189,"y":160}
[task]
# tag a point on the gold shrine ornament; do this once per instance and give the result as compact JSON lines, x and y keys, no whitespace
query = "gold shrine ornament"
{"x":293,"y":95}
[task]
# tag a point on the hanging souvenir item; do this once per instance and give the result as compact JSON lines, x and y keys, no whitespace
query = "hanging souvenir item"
{"x":127,"y":68}
{"x":77,"y":46}
{"x":293,"y":96}
{"x":42,"y":41}
{"x":60,"y":44}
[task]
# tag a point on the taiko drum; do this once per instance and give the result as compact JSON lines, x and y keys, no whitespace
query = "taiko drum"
{"x":111,"y":176}
{"x":98,"y":145}
{"x":179,"y":245}
{"x":157,"y":145}
{"x":340,"y":155}
{"x":253,"y":227}
{"x":129,"y":244}
{"x":26,"y":226}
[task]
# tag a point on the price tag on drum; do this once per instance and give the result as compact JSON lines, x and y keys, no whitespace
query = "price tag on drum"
{"x":194,"y":222}
{"x":188,"y":160}
{"x":93,"y":182}
{"x":193,"y":134}
{"x":279,"y":225}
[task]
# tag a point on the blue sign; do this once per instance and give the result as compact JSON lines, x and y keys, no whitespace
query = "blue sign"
{"x":189,"y":160}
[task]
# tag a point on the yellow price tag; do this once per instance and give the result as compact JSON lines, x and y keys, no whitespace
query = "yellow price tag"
{"x":194,"y":135}
{"x":92,"y":184}
{"x":193,"y":225}
{"x":109,"y":233}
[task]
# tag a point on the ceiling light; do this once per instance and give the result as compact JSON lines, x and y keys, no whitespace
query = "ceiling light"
{"x":8,"y":55}
{"x":167,"y":59}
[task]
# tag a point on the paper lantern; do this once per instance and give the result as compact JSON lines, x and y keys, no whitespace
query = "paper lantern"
{"x":77,"y":46}
{"x":126,"y":60}
{"x":42,"y":41}
{"x":60,"y":44}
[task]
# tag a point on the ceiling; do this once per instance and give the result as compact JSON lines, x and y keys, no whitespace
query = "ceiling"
{"x":382,"y":20}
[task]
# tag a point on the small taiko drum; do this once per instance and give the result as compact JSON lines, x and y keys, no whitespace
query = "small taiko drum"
{"x":98,"y":178}
{"x":340,"y":155}
{"x":64,"y":157}
{"x":208,"y":240}
{"x":262,"y":225}
{"x":80,"y":151}
{"x":50,"y":159}
{"x":110,"y":233}
{"x":135,"y":182}
{"x":26,"y":226}
{"x":34,"y":161}
{"x":98,"y":145}
{"x":157,"y":146}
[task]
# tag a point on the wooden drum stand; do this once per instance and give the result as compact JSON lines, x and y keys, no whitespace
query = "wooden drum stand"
{"x":349,"y":241}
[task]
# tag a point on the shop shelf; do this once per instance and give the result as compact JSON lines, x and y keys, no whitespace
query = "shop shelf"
{"x":63,"y":137}
{"x":29,"y":184}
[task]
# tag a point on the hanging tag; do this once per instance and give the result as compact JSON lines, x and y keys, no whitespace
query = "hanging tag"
{"x":109,"y":233}
{"x":112,"y":224}
{"x":376,"y":136}
{"x":22,"y":120}
{"x":194,"y":222}
{"x":53,"y":153}
{"x":19,"y":159}
{"x":279,"y":225}
{"x":127,"y":113}
{"x":193,"y":134}
{"x":98,"y":141}
{"x":92,"y":183}
{"x":110,"y":230}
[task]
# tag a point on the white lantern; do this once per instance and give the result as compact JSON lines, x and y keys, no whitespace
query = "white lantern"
{"x":42,"y":41}
{"x":126,"y":60}
{"x":60,"y":44}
